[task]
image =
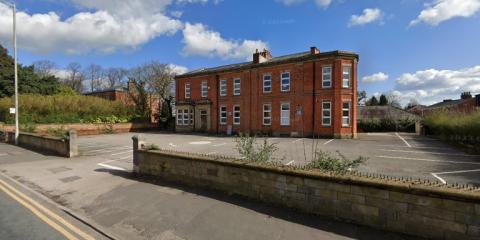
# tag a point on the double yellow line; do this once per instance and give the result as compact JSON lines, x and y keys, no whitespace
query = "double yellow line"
{"x":44,"y":214}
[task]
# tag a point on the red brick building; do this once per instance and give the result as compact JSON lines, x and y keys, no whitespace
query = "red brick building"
{"x":467,"y":104}
{"x":305,"y":94}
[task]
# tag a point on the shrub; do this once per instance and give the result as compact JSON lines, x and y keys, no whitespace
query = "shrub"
{"x":327,"y":162}
{"x":28,"y":127}
{"x":386,"y":125}
{"x":459,"y":128}
{"x":251,"y":151}
{"x":60,"y":132}
{"x":151,"y":147}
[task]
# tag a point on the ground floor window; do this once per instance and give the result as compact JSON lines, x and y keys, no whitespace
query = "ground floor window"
{"x":236,"y":115}
{"x":184,"y":117}
{"x":223,"y":115}
{"x":346,"y":114}
{"x":285,"y":114}
{"x":326,"y":114}
{"x":267,"y":114}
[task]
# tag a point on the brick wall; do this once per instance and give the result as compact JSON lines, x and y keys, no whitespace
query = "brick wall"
{"x":400,"y":206}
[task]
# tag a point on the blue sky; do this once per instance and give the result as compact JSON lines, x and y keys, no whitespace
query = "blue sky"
{"x":425,"y":50}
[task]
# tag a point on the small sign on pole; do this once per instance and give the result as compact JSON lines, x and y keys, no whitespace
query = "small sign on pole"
{"x":12,"y":110}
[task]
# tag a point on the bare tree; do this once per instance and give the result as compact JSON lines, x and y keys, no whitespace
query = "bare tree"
{"x":394,"y":100}
{"x":75,"y":77}
{"x":115,"y":77}
{"x":45,"y":68}
{"x":94,"y":74}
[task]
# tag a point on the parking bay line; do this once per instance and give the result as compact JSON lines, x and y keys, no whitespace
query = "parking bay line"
{"x":290,"y":163}
{"x":452,"y":172}
{"x":112,"y":167}
{"x":434,"y":153}
{"x":329,"y":141}
{"x":220,"y":144}
{"x":427,"y":160}
{"x":298,"y":140}
{"x":120,"y":153}
{"x":403,"y":139}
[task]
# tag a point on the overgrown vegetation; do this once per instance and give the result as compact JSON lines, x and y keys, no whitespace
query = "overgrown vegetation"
{"x":151,"y":147}
{"x":328,"y":162}
{"x":252,"y":151}
{"x":60,"y":132}
{"x":386,"y":125}
{"x":454,"y":127}
{"x":67,"y":109}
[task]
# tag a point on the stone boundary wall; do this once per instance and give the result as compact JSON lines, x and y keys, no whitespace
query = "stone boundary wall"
{"x":409,"y":207}
{"x":84,"y":129}
{"x":65,"y":147}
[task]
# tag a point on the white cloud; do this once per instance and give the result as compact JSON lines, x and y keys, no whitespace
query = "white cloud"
{"x":113,"y":25}
{"x":443,"y":10}
{"x":430,"y":86}
{"x":320,"y":3}
{"x":377,"y":77}
{"x":369,"y":15}
{"x":201,"y":41}
{"x":178,"y":69}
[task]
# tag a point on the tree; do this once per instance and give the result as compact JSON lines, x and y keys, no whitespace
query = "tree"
{"x":45,"y":68}
{"x":362,"y":95}
{"x":75,"y":77}
{"x":383,"y":100}
{"x":372,"y":101}
{"x":115,"y":77}
{"x":412,"y":103}
{"x":94,"y":73}
{"x":394,"y":100}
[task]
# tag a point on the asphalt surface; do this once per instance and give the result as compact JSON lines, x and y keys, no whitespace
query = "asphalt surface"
{"x":393,"y":154}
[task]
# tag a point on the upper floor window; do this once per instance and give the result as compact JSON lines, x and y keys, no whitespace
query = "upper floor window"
{"x":346,"y":114}
{"x":346,"y":76}
{"x":223,"y":115}
{"x":267,"y":83}
{"x":236,"y":86}
{"x":204,"y":89}
{"x":267,"y":114}
{"x":223,"y":87}
{"x":327,"y":77}
{"x":285,"y":82}
{"x":236,"y":115}
{"x":285,"y":114}
{"x":187,"y":90}
{"x":326,"y":114}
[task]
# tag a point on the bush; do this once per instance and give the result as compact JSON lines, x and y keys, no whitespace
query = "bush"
{"x":327,"y":162}
{"x":60,"y":132}
{"x":459,"y":128}
{"x":251,"y":151}
{"x":152,"y":147}
{"x":66,"y":109}
{"x":386,"y":125}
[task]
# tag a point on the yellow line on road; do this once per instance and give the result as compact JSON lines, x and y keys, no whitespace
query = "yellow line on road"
{"x":38,"y":214}
{"x":48,"y":212}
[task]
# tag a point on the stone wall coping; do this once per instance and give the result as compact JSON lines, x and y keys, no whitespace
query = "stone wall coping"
{"x":405,"y":186}
{"x":43,"y":136}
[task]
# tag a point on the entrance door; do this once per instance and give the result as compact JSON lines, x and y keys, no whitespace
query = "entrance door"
{"x":203,"y":120}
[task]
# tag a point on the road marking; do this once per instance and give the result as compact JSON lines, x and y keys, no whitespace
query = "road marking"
{"x":298,"y":140}
{"x":172,"y":145}
{"x":107,"y":150}
{"x":290,"y":163}
{"x":403,"y":139}
{"x":428,"y":160}
{"x":112,"y":167}
{"x":412,"y":147}
{"x":129,"y":151}
{"x":95,"y":146}
{"x":378,"y":134}
{"x":329,"y":141}
{"x":434,"y":153}
{"x":460,"y":171}
{"x":46,"y":211}
{"x":220,"y":144}
{"x":439,"y":178}
{"x":200,"y":143}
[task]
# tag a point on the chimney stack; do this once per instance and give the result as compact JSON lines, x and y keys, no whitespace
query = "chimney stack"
{"x":314,"y":50}
{"x":466,"y":95}
{"x":261,"y":57}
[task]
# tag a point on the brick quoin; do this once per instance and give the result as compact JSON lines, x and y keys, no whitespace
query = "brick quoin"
{"x":305,"y":97}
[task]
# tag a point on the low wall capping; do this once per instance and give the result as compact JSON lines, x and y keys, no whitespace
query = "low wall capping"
{"x":65,"y":147}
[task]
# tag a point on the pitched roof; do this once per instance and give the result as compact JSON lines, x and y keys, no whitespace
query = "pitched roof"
{"x":302,"y":56}
{"x":379,"y":112}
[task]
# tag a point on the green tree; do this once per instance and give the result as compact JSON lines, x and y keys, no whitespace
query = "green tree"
{"x":361,"y":95}
{"x":372,"y":101}
{"x":383,"y":100}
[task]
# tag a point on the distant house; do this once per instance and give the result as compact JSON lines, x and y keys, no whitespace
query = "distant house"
{"x":465,"y":105}
{"x":125,"y":95}
{"x":383,"y":112}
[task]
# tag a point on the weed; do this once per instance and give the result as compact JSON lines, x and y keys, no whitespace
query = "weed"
{"x":251,"y":151}
{"x":328,"y":162}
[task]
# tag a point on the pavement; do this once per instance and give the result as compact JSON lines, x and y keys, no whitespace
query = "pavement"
{"x":99,"y":189}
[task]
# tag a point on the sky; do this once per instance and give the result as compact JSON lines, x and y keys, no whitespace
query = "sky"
{"x":427,"y":50}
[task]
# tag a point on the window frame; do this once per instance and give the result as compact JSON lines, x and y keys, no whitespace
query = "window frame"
{"x":344,"y":80}
{"x":223,"y":88}
{"x":234,"y":114}
{"x":270,"y":114}
{"x":204,"y":89}
{"x":235,"y":89}
{"x":289,"y":81}
{"x":188,"y":90}
{"x":329,"y":110}
{"x":288,"y":116}
{"x":349,"y":114}
{"x":221,"y":117}
{"x":270,"y":81}
{"x":186,"y":117}
{"x":179,"y":120}
{"x":323,"y":76}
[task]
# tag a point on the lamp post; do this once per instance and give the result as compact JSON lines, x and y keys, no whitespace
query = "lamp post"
{"x":14,"y":10}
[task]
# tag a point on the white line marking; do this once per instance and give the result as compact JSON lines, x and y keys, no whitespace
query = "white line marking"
{"x":329,"y":141}
{"x":290,"y":163}
{"x":378,"y":134}
{"x":112,"y":167}
{"x":272,"y":139}
{"x":403,"y":139}
{"x":106,"y":150}
{"x":413,"y":147}
{"x":461,"y":171}
{"x":94,"y":145}
{"x":434,"y":153}
{"x":439,"y":178}
{"x":3,"y":154}
{"x":428,"y":160}
{"x":129,"y":151}
{"x":220,"y":144}
{"x":298,"y":140}
{"x":172,"y":145}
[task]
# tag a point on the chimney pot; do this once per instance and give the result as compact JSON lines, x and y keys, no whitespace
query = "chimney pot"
{"x":314,"y":50}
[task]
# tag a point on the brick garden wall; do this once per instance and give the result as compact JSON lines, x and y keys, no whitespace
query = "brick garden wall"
{"x":394,"y":205}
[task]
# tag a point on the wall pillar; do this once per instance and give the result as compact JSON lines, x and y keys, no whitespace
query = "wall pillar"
{"x":138,"y":143}
{"x":72,"y":145}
